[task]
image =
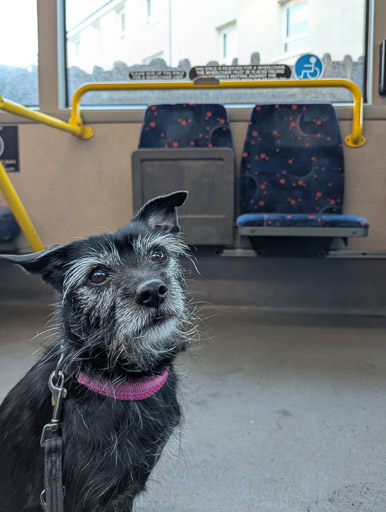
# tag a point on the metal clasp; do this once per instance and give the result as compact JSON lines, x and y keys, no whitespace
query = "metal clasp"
{"x":59,"y":393}
{"x":43,"y":497}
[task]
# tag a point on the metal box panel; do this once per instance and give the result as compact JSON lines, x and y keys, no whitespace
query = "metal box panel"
{"x":207,"y":174}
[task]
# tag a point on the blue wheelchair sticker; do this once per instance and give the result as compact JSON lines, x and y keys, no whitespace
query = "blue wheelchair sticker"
{"x":308,"y":67}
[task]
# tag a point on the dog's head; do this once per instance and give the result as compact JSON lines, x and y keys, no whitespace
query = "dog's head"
{"x":121,"y":292}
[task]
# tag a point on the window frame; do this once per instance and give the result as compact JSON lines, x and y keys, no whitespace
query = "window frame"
{"x":52,"y":73}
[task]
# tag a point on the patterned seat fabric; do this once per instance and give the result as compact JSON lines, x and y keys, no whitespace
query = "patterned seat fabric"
{"x":292,"y":165}
{"x":9,"y":228}
{"x":301,"y":220}
{"x":185,"y":125}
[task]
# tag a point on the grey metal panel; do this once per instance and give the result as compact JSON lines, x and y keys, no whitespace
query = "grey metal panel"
{"x":339,"y":286}
{"x":207,"y":218}
{"x":306,"y":231}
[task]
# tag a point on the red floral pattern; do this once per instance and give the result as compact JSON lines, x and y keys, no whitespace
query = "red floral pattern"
{"x":186,"y":125}
{"x":295,"y":168}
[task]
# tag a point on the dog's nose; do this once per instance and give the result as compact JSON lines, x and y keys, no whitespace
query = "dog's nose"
{"x":151,"y":293}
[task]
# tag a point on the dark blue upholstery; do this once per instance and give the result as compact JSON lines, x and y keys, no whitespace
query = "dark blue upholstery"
{"x":9,"y":228}
{"x":185,"y":125}
{"x":292,"y":165}
{"x":301,"y":220}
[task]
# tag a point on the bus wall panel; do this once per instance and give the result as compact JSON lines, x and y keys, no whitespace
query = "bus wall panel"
{"x":74,"y":188}
{"x":365,"y":184}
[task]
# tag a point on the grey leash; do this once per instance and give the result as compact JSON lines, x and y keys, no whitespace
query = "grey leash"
{"x":51,"y":440}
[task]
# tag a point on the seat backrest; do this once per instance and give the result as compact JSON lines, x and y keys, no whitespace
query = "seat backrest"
{"x":185,"y":125}
{"x":292,"y":160}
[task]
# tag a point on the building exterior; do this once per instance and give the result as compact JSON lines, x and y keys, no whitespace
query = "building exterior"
{"x":136,"y":32}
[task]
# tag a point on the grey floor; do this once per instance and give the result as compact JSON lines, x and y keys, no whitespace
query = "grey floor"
{"x":283,"y":412}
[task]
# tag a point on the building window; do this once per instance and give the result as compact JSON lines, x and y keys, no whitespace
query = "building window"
{"x":148,"y":8}
{"x":228,"y":43}
{"x":121,"y":23}
{"x":76,"y":44}
{"x":296,"y":37}
{"x":96,"y":35}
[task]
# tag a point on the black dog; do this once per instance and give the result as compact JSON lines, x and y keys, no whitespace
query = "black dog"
{"x":122,"y":321}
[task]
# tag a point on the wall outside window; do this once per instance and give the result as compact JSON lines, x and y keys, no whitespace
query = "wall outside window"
{"x":259,"y":27}
{"x":19,"y":51}
{"x":182,"y":34}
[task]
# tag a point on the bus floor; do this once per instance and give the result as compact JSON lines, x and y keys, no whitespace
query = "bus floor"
{"x":283,"y":412}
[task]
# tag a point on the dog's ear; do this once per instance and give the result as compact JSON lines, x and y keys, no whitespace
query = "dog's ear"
{"x":160,"y":213}
{"x":49,"y":263}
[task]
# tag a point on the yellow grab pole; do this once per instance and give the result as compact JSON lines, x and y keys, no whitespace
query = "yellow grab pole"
{"x":40,"y":117}
{"x":355,"y":139}
{"x":76,"y":127}
{"x":19,"y":211}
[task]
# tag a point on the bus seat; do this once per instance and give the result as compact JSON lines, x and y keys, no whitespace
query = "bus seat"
{"x":187,"y":125}
{"x":292,"y":175}
{"x":189,"y":146}
{"x":9,"y":228}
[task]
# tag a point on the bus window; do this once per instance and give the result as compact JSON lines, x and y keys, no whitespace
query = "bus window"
{"x":110,"y":40}
{"x":19,"y":55}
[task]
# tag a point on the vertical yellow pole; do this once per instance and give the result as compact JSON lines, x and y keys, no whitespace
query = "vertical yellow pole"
{"x":19,"y":211}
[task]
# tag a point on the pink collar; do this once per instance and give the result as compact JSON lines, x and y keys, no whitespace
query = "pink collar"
{"x":139,"y":390}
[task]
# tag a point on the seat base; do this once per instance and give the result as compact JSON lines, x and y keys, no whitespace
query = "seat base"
{"x":302,"y":225}
{"x":325,"y":232}
{"x":291,"y":247}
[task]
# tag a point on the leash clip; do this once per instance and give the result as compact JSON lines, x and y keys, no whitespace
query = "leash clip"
{"x":43,"y":497}
{"x":59,"y":393}
{"x":52,"y":495}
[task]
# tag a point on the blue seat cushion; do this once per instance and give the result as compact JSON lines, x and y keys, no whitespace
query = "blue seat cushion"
{"x":300,"y":220}
{"x":9,"y":228}
{"x":186,"y":125}
{"x":292,"y":160}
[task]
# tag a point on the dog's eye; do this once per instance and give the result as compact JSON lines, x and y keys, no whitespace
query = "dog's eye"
{"x":159,"y":255}
{"x":98,"y":276}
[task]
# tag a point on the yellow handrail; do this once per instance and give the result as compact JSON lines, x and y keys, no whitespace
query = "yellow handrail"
{"x":19,"y":211}
{"x":76,"y":127}
{"x":40,"y":117}
{"x":355,"y":139}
